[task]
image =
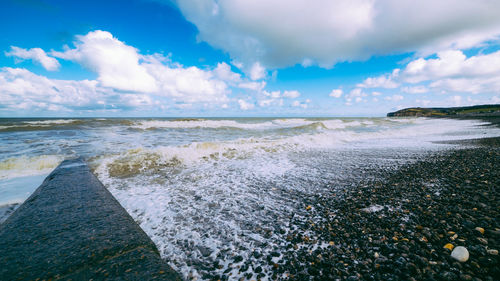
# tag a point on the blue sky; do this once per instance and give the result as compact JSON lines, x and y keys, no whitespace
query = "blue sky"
{"x":245,"y":58}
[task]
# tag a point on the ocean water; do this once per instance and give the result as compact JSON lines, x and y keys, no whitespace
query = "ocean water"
{"x":209,"y":190}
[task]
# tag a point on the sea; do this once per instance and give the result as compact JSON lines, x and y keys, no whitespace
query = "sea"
{"x":207,"y":190}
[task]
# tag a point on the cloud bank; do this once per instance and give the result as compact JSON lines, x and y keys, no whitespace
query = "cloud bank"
{"x":127,"y":79}
{"x":448,"y":73}
{"x":282,"y":33}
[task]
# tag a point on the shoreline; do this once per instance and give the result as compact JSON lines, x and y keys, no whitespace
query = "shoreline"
{"x":395,"y":227}
{"x":372,"y":223}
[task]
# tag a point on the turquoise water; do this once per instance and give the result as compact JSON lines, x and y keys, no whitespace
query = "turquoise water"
{"x":213,"y":188}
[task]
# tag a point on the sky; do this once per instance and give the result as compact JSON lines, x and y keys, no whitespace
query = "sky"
{"x":236,"y":58}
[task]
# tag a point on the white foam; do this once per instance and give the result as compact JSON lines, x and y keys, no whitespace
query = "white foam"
{"x":201,"y":124}
{"x":51,"y":122}
{"x":373,"y":209}
{"x":230,"y":191}
{"x":28,"y":166}
{"x":247,"y":125}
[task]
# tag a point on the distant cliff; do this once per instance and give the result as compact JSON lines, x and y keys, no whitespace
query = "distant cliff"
{"x":487,"y":109}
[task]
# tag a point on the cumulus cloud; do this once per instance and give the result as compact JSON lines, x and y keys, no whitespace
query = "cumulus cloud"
{"x":336,"y":93}
{"x":451,"y":64}
{"x":22,"y":89}
{"x":384,"y":81}
{"x":449,"y":72}
{"x":121,"y":67}
{"x":257,"y":71}
{"x":116,"y":63}
{"x":245,"y":105}
{"x":223,"y":72}
{"x":357,"y":95}
{"x":415,"y":90}
{"x":126,"y":79}
{"x":189,"y":84}
{"x":394,"y":98}
{"x":276,"y":98}
{"x":452,"y":71}
{"x":254,"y":86}
{"x":270,"y":102}
{"x":36,"y":54}
{"x":303,"y":105}
{"x":291,"y":94}
{"x":287,"y":32}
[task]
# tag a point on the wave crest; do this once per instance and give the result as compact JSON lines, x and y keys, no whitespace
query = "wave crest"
{"x":26,"y":166}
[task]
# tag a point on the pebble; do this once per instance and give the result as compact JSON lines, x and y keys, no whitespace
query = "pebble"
{"x":493,"y":252}
{"x":449,"y":246}
{"x":460,"y":253}
{"x":483,"y":240}
{"x":480,"y":229}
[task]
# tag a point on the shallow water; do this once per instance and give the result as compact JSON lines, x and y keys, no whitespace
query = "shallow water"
{"x":209,"y":190}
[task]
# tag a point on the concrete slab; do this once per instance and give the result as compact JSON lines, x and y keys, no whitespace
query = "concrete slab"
{"x":71,"y":227}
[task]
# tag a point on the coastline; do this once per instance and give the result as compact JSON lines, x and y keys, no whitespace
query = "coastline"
{"x":395,"y":227}
{"x":359,"y":221}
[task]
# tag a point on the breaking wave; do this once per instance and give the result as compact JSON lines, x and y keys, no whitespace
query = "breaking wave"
{"x":28,"y":166}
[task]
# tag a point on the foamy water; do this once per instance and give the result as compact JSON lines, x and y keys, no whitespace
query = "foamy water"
{"x":209,"y":190}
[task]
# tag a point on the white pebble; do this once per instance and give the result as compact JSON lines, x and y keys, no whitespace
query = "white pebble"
{"x":460,"y":254}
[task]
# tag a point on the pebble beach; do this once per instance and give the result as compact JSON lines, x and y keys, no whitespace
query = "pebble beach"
{"x":287,"y":199}
{"x":404,"y":224}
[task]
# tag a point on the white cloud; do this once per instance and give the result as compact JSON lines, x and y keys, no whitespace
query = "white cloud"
{"x":356,"y":95}
{"x":189,"y":84}
{"x":121,"y":67}
{"x":36,"y":54}
{"x":304,"y":105}
{"x":276,"y":97}
{"x":291,"y":94}
{"x":376,"y":94}
{"x":126,"y":79}
{"x":22,"y":89}
{"x":451,"y":64}
{"x":273,"y":94}
{"x":223,"y":72}
{"x":245,"y":105}
{"x":255,"y":86}
{"x":415,"y":90}
{"x":424,"y":103}
{"x":384,"y":81}
{"x":116,"y":63}
{"x":257,"y":71}
{"x":264,"y":103}
{"x":270,"y":102}
{"x":336,"y":93}
{"x":394,"y":98}
{"x":287,"y":32}
{"x":452,"y":72}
